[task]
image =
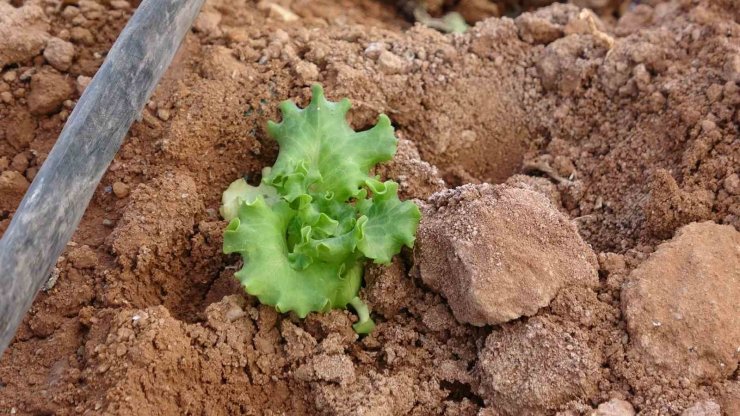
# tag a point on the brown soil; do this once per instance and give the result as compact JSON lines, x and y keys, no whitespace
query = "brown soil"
{"x":620,"y":124}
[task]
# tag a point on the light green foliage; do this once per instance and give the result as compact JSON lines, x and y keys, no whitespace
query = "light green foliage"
{"x":306,"y":230}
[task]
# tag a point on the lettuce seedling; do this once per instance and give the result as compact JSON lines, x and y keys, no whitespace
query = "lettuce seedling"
{"x":305,"y":232}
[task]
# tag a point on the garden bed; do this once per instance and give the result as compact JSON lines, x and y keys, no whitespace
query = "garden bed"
{"x":620,"y":124}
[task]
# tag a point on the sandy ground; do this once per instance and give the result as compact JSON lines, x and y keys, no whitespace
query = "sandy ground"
{"x":577,"y":169}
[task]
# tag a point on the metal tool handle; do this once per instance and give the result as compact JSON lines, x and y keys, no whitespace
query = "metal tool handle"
{"x":53,"y":206}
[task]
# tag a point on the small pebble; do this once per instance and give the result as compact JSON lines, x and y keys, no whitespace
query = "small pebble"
{"x":390,"y":63}
{"x":27,"y":74}
{"x":374,"y":49}
{"x":63,"y":34}
{"x":82,"y":35}
{"x":121,"y":190}
{"x":52,"y":280}
{"x":120,"y":5}
{"x":19,"y":163}
{"x":307,"y":71}
{"x":31,"y":173}
{"x":10,"y":76}
{"x":59,"y":53}
{"x":277,"y":11}
{"x":732,"y":184}
{"x":79,"y":21}
{"x":82,"y":83}
{"x":234,"y":313}
{"x":70,"y":11}
{"x":163,"y":114}
{"x":121,"y":350}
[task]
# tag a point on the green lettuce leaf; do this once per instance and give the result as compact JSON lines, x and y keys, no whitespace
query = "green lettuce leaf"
{"x":240,"y":191}
{"x":388,"y":223}
{"x":319,"y":151}
{"x":258,"y":233}
{"x":305,"y":231}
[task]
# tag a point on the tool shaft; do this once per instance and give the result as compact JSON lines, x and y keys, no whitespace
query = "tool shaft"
{"x":54,"y":204}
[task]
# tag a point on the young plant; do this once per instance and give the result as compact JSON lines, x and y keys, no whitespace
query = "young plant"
{"x":305,"y":232}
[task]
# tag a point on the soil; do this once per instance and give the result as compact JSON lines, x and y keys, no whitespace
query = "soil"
{"x":615,"y":129}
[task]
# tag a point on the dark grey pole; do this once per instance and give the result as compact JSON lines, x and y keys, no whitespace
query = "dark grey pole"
{"x":53,"y":206}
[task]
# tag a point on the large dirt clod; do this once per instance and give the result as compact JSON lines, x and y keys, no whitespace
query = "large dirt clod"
{"x":159,"y":219}
{"x":498,"y":252}
{"x":49,"y":89}
{"x":23,"y":33}
{"x":681,"y":304}
{"x":537,"y":367}
{"x":387,"y":396}
{"x":144,"y":362}
{"x":20,"y":130}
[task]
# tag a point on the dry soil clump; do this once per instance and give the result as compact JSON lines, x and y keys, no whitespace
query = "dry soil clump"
{"x":681,"y":304}
{"x":498,"y":252}
{"x":23,"y":33}
{"x":538,"y":367}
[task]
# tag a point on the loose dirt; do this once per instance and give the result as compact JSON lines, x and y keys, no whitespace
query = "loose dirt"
{"x":619,"y":123}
